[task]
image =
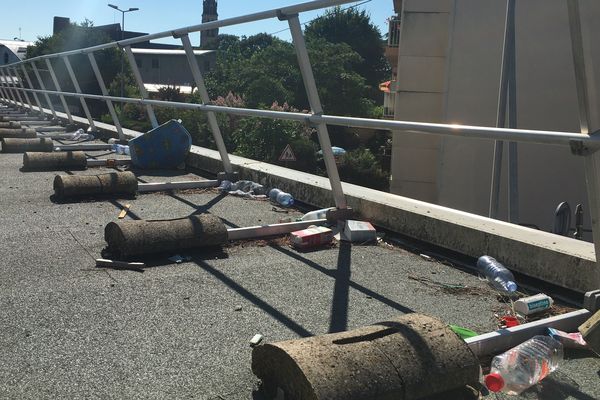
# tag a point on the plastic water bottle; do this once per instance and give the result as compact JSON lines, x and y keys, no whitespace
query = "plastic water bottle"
{"x":282,"y":198}
{"x":497,"y":275}
{"x":225,"y":186}
{"x":525,"y":365}
{"x":120,"y":148}
{"x":316,"y":214}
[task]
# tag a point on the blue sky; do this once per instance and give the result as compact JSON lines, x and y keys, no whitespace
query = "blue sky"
{"x":34,"y":17}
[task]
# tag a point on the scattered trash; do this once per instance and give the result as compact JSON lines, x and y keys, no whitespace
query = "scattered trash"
{"x":282,"y":198}
{"x":497,"y":275}
{"x":238,"y":308}
{"x":124,"y":211}
{"x":311,"y":237}
{"x":359,"y":231}
{"x":464,"y":333}
{"x":102,"y":262}
{"x":256,"y":339}
{"x":176,"y":259}
{"x":533,"y":304}
{"x":246,"y":189}
{"x":447,"y":287}
{"x":316,"y":214}
{"x":568,"y":340}
{"x":120,"y":149}
{"x":426,"y":257}
{"x":79,"y":134}
{"x":337,"y":151}
{"x":524,"y":365}
{"x":508,"y":321}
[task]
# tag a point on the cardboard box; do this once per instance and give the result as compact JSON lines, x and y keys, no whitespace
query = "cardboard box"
{"x":311,"y":237}
{"x":359,"y":231}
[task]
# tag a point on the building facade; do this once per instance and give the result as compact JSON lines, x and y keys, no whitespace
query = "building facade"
{"x":209,"y":13}
{"x":449,"y":60}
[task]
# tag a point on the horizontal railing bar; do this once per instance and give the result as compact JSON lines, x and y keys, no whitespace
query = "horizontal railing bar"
{"x":477,"y":132}
{"x":289,"y":10}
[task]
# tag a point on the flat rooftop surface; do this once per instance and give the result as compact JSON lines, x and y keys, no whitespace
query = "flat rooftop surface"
{"x":71,"y":330}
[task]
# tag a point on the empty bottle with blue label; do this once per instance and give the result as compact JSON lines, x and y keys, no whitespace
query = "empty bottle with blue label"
{"x":497,"y":275}
{"x":282,"y":198}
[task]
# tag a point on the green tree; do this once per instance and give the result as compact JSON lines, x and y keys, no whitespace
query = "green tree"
{"x":355,"y":28}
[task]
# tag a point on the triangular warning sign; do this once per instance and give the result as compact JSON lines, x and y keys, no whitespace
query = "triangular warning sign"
{"x":287,"y":154}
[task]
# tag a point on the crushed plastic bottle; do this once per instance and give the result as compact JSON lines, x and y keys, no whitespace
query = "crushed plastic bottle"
{"x":225,"y":186}
{"x":316,"y":214}
{"x":497,"y":275}
{"x":120,"y":148}
{"x":80,"y":134}
{"x":524,"y":365}
{"x":282,"y":198}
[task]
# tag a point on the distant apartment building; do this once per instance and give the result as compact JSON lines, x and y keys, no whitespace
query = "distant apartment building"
{"x":159,"y":64}
{"x":448,"y":71}
{"x":391,"y":54}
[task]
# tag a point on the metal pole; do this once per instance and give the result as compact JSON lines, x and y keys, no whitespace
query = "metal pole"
{"x":317,"y":109}
{"x":140,"y":82}
{"x":501,"y":112}
{"x":513,"y":161}
{"x":122,"y":61}
{"x":16,"y":89}
{"x":109,"y":104}
{"x":212,"y":119}
{"x":21,"y":87}
{"x":43,"y":87}
{"x":8,"y":88}
{"x":592,"y":160}
{"x":35,"y":96}
{"x":3,"y":92}
{"x":78,"y":90}
{"x":58,"y":89}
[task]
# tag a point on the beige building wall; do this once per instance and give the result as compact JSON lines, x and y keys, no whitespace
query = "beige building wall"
{"x":422,"y":58}
{"x":546,"y":99}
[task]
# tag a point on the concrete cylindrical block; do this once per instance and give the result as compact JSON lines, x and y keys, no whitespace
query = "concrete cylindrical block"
{"x":23,"y":145}
{"x":82,"y":185}
{"x":54,"y":161}
{"x":408,"y":357}
{"x":129,"y":238}
{"x":22,"y":133}
{"x":10,"y":124}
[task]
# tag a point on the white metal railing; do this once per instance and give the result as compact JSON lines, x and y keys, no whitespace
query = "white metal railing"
{"x":16,"y":93}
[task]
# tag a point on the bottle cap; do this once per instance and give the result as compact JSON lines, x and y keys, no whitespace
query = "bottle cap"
{"x":494,"y":382}
{"x":511,"y":286}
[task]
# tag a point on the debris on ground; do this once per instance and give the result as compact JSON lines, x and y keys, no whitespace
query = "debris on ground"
{"x":359,"y":231}
{"x":124,"y":211}
{"x":426,"y":257}
{"x":247,"y":189}
{"x":448,"y":287}
{"x":256,"y":339}
{"x":102,"y":262}
{"x":312,"y":236}
{"x":179,"y":259}
{"x":533,"y":304}
{"x":569,"y":340}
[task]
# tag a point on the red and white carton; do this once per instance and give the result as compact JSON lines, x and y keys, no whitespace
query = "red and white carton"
{"x":311,"y":237}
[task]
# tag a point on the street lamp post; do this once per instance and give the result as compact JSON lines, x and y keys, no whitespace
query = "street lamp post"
{"x":122,"y":37}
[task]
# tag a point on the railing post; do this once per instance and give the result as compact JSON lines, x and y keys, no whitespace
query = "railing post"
{"x":15,"y":88}
{"x":43,"y":87}
{"x":316,"y":109}
{"x":3,"y":93}
{"x":22,"y":87}
{"x":35,"y":96}
{"x":506,"y":97}
{"x":84,"y":105}
{"x":592,"y":160}
{"x":140,"y":82}
{"x":58,"y":89}
{"x":104,"y":91}
{"x":9,"y":90}
{"x":212,"y":119}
